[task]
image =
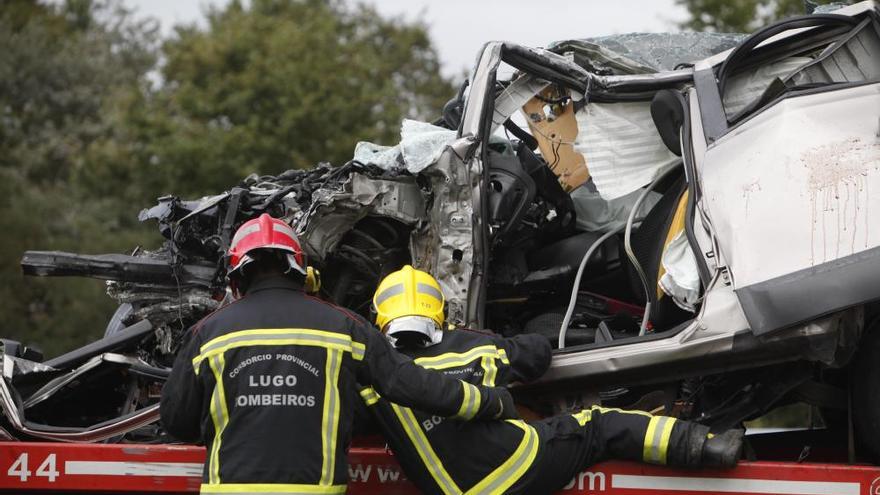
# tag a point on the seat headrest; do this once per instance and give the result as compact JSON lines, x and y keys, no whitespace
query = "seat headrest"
{"x":667,"y":110}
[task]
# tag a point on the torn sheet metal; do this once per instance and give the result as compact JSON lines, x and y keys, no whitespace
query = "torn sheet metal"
{"x":595,"y":214}
{"x":682,"y":278}
{"x":15,"y":366}
{"x":621,"y":146}
{"x":334,"y":213}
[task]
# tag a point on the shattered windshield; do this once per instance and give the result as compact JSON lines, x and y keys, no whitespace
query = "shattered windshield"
{"x":638,"y":53}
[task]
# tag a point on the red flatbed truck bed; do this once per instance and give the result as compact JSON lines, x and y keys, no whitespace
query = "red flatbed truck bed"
{"x":141,"y":469}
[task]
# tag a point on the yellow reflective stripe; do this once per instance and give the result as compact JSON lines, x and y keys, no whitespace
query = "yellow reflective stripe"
{"x":505,"y":475}
{"x":274,"y":332}
{"x":470,"y":402}
{"x":490,"y":371}
{"x":583,"y":417}
{"x":370,"y":396}
{"x":648,"y":446}
{"x":664,"y":439}
{"x":455,"y":359}
{"x":286,"y":489}
{"x":657,"y":439}
{"x":330,"y":417}
{"x":502,"y":355}
{"x":274,"y":336}
{"x":358,"y":350}
{"x":219,"y":415}
{"x":426,"y":452}
{"x":621,"y":411}
{"x":586,"y":415}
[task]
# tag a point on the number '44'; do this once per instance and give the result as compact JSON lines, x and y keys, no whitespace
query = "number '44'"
{"x":46,"y":470}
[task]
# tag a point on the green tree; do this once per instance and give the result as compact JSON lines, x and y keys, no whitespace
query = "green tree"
{"x":278,"y":84}
{"x":740,"y":16}
{"x":60,"y":67}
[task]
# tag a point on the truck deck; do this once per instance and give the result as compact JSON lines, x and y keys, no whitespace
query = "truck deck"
{"x":176,"y":469}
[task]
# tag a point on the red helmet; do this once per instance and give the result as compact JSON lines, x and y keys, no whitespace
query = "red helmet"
{"x":265,"y":232}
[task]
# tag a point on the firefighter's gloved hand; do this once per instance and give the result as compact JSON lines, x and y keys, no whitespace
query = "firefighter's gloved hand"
{"x":506,"y":406}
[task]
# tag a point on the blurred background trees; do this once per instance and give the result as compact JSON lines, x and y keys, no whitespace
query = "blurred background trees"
{"x":99,"y":117}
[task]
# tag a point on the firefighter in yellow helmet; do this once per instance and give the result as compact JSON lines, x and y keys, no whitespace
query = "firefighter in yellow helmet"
{"x":409,"y":305}
{"x":447,"y":456}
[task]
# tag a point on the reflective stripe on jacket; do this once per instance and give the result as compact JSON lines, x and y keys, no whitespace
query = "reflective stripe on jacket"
{"x":448,"y":456}
{"x":268,"y":385}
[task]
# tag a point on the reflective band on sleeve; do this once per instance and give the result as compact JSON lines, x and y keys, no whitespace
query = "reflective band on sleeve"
{"x":505,"y":475}
{"x":370,"y":396}
{"x":583,"y":417}
{"x":426,"y":452}
{"x":657,"y":439}
{"x":502,"y":355}
{"x":431,"y":291}
{"x":394,"y":290}
{"x":330,"y":418}
{"x":455,"y":359}
{"x":358,"y":350}
{"x":490,"y":371}
{"x":272,"y":489}
{"x":219,"y":415}
{"x":470,"y":402}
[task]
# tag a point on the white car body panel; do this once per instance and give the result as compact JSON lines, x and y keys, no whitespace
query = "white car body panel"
{"x":799,"y":176}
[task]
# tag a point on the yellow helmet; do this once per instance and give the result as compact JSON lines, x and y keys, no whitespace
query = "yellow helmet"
{"x":408,"y":292}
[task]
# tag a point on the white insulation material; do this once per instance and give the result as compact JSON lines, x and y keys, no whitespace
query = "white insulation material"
{"x":420,"y":145}
{"x":681,"y":280}
{"x":621,"y":147}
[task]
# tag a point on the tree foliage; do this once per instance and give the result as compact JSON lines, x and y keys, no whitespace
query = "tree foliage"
{"x":93,"y":128}
{"x":60,"y":68}
{"x":741,"y":16}
{"x":282,"y":84}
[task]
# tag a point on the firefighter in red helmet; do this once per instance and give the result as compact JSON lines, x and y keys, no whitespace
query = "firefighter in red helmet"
{"x":267,"y":383}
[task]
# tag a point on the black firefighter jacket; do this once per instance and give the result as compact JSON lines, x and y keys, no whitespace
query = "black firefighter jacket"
{"x":268,"y":384}
{"x":446,"y":456}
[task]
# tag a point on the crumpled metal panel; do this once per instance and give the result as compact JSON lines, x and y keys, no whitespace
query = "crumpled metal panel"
{"x":334,"y":212}
{"x":640,"y":53}
{"x":14,"y":366}
{"x":444,"y":245}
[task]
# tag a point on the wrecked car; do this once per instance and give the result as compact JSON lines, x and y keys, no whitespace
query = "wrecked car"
{"x":687,"y":217}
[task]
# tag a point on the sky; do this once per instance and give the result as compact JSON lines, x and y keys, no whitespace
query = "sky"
{"x":459,"y":28}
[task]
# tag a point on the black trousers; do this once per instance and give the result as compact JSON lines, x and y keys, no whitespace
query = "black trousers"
{"x":572,"y":443}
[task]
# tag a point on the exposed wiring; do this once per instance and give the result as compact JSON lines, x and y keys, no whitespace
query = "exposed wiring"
{"x":555,"y":140}
{"x":572,"y":302}
{"x":629,"y":252}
